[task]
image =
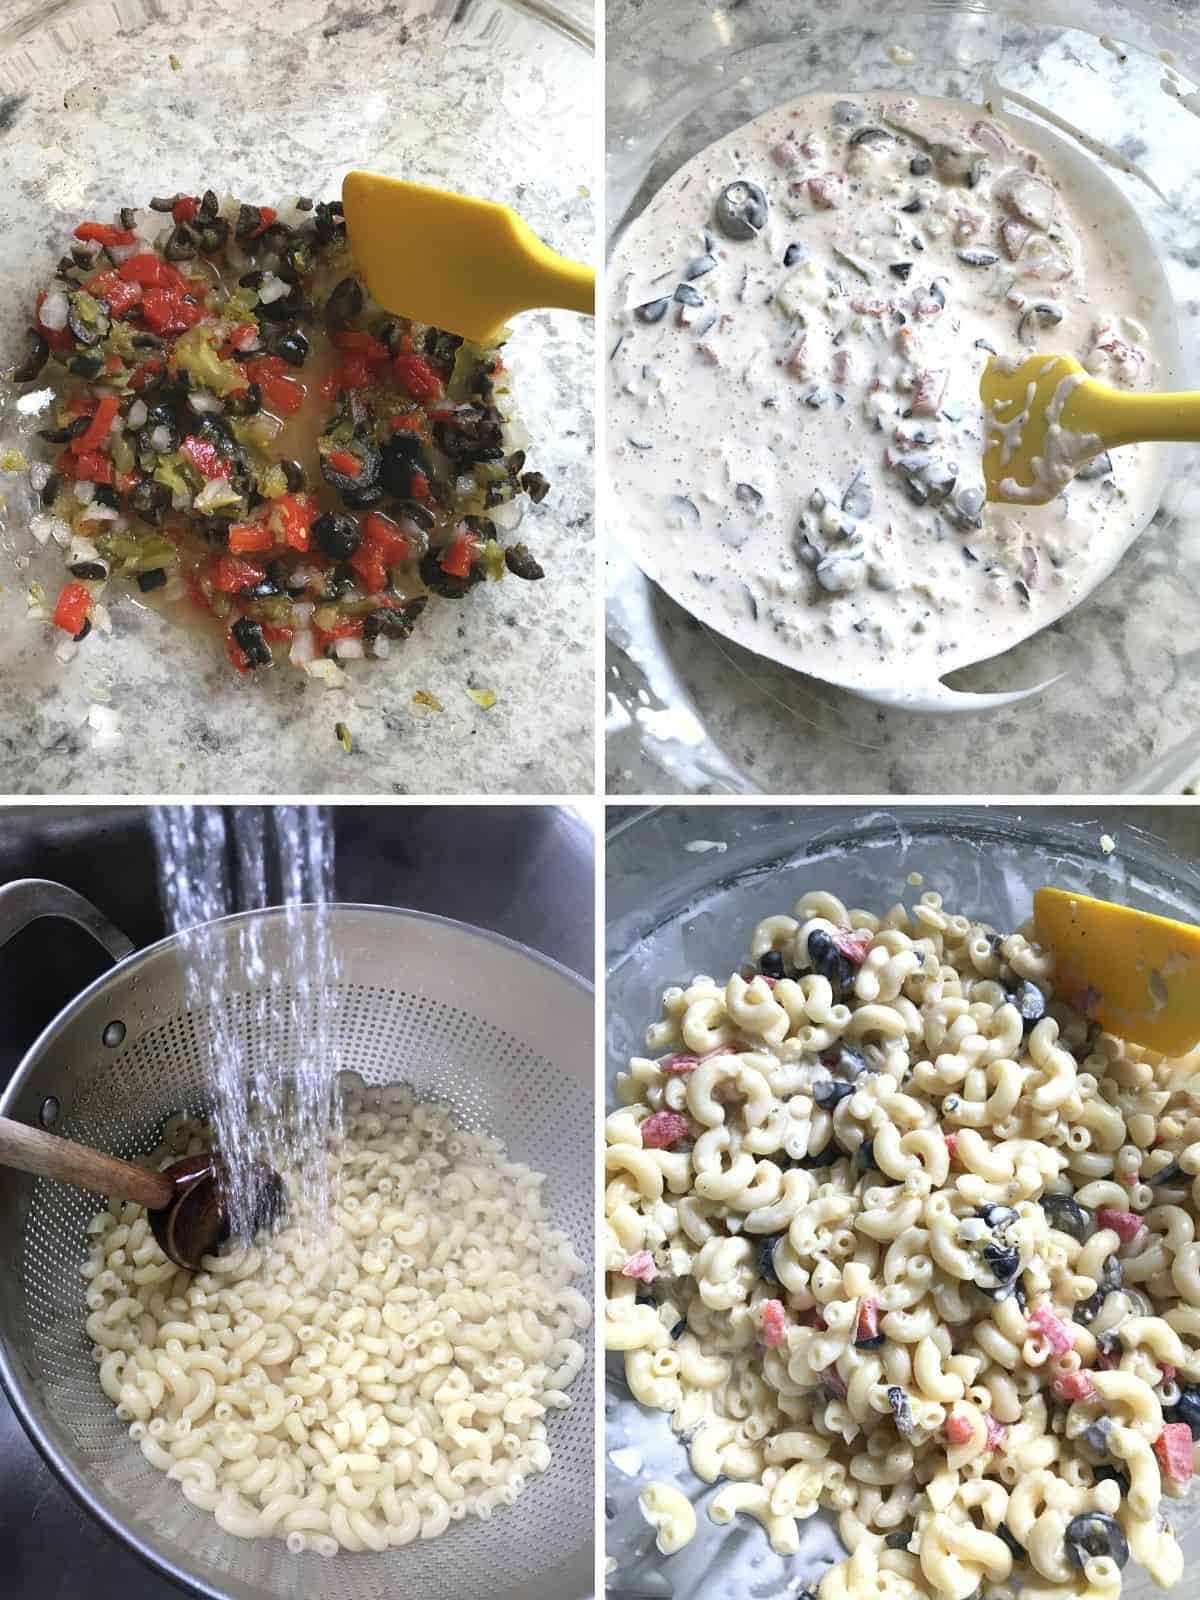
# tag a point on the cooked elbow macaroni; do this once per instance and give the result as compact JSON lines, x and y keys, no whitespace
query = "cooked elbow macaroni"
{"x":367,"y":1388}
{"x":893,"y":1230}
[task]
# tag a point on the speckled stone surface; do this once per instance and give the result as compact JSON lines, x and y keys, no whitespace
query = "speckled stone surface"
{"x":689,"y":711}
{"x":272,"y":100}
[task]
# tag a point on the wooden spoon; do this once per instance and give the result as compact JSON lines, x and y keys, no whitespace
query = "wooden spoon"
{"x":186,"y":1213}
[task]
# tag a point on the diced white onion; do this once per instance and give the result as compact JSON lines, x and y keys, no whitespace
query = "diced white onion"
{"x":45,"y":527}
{"x":38,"y":612}
{"x":200,"y":402}
{"x":97,"y":513}
{"x":509,"y":515}
{"x":66,"y":650}
{"x":349,"y":649}
{"x":85,"y":492}
{"x":181,"y":500}
{"x":82,"y":550}
{"x":160,"y":437}
{"x":55,"y":310}
{"x":516,"y":437}
{"x":381,"y":647}
{"x":100,"y":616}
{"x":39,"y":476}
{"x":272,"y":289}
{"x":138,"y":414}
{"x":302,"y":614}
{"x":329,"y":673}
{"x":304,"y":646}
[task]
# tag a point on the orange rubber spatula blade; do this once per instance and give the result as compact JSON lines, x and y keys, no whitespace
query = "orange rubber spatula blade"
{"x":464,"y":265}
{"x":1137,"y":974}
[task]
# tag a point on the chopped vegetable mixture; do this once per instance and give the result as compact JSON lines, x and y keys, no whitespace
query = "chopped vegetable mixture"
{"x":242,"y":433}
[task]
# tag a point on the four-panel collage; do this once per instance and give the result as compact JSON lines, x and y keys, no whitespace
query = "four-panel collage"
{"x":599,"y":925}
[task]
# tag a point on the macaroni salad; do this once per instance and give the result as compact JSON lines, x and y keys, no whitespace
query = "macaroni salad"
{"x":367,"y":1388}
{"x":893,"y":1231}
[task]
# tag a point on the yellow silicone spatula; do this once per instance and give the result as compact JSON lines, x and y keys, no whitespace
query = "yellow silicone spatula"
{"x":464,"y":265}
{"x":1049,"y":411}
{"x":1138,"y":975}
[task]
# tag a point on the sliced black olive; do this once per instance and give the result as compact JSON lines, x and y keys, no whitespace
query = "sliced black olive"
{"x":1030,"y":1002}
{"x":872,"y":136}
{"x":865,"y":1155}
{"x":50,"y":489}
{"x":245,"y":403}
{"x":250,"y":637}
{"x":1166,"y":1174}
{"x":89,"y":570}
{"x":1005,"y":1264}
{"x":64,"y":434}
{"x":679,"y":1329}
{"x":399,"y":459}
{"x":700,"y":267}
{"x":369,"y":458}
{"x":341,"y":580}
{"x":84,"y":631}
{"x":858,"y":498}
{"x":151,"y":580}
{"x":394,"y":623}
{"x":1107,"y":1474}
{"x":1068,"y":1216}
{"x":1187,"y":1408}
{"x":82,"y":256}
{"x":211,"y":236}
{"x":329,"y":221}
{"x":336,"y":535}
{"x":1018,"y":1549}
{"x":161,"y":203}
{"x":128,"y":218}
{"x":831,"y":1093}
{"x":361,"y":497}
{"x":418,"y":513}
{"x":900,"y":1540}
{"x":828,"y":961}
{"x":795,"y":253}
{"x":521,"y":563}
{"x":977,"y":258}
{"x":39,"y":354}
{"x":846,"y":113}
{"x":912,"y":206}
{"x":87,"y":367}
{"x":445,"y":583}
{"x":741,"y":210}
{"x":652,"y":310}
{"x":209,"y":205}
{"x":1042,"y":315}
{"x":687,"y":296}
{"x":770,"y":964}
{"x":1098,"y":467}
{"x":901,"y":1410}
{"x":83,"y":330}
{"x":181,"y":243}
{"x":267,"y":589}
{"x":535,"y":486}
{"x":900,"y":269}
{"x":920,"y":166}
{"x":106,"y":495}
{"x":345,"y":303}
{"x":251,"y":280}
{"x":996,"y":1216}
{"x":765,"y":1249}
{"x":249,"y":221}
{"x":1092,"y":1534}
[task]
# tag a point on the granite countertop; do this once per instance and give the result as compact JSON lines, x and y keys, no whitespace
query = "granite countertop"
{"x":689,"y":711}
{"x":261,"y":101}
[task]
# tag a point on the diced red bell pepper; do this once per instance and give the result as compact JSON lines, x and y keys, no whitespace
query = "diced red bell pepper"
{"x":363,"y":344}
{"x":832,"y":1380}
{"x":370,"y":569}
{"x":145,"y":373}
{"x":206,"y":458}
{"x":662,"y":1129}
{"x":166,"y":311}
{"x":640,"y":1265}
{"x":118,"y":293}
{"x":148,"y":270}
{"x":266,"y":215}
{"x":264,"y":367}
{"x":186,"y":208}
{"x":1072,"y":1386}
{"x":411,"y":422}
{"x":350,"y":373}
{"x":73,"y":608}
{"x":1127,"y":1224}
{"x":951,"y":1144}
{"x":418,"y":486}
{"x":853,"y":945}
{"x":457,"y":556}
{"x":244,"y":336}
{"x":230,"y":574}
{"x":283,"y":395}
{"x":98,"y":429}
{"x":414,"y":374}
{"x":103,"y":233}
{"x":347,"y":628}
{"x":774,"y":1323}
{"x":342,"y":461}
{"x":247,"y":537}
{"x":958,"y":1428}
{"x":113,"y":364}
{"x":385,"y":538}
{"x":292,"y":515}
{"x":996,"y":1430}
{"x":237,"y":656}
{"x":60,"y":340}
{"x":1173,"y":1447}
{"x":1056,"y":1333}
{"x":868,"y":1321}
{"x":91,"y":468}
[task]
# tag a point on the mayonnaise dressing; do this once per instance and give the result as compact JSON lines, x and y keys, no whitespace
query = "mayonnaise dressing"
{"x":802,"y":315}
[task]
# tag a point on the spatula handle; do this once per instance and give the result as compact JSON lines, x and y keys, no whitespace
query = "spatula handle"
{"x":48,"y":1156}
{"x":1122,"y":418}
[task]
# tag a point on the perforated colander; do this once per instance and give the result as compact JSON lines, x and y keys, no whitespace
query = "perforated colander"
{"x":499,"y":1033}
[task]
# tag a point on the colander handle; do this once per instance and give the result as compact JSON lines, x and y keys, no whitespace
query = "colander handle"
{"x":26,"y":899}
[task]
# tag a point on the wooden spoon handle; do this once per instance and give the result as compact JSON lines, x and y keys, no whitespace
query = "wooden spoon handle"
{"x":48,"y":1156}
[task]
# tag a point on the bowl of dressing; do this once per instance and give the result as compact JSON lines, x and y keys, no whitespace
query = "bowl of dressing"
{"x":816,"y":242}
{"x":264,"y":102}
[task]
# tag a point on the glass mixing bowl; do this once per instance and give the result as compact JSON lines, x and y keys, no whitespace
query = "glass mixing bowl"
{"x":692,"y":711}
{"x":105,"y":103}
{"x":685,"y":887}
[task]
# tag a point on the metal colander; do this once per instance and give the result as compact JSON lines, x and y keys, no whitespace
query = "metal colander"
{"x":499,"y":1033}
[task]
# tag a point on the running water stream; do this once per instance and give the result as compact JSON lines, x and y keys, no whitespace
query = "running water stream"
{"x":267,"y":998}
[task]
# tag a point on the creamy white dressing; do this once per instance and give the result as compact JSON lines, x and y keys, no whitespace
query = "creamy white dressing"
{"x":1065,"y":449}
{"x":795,"y":429}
